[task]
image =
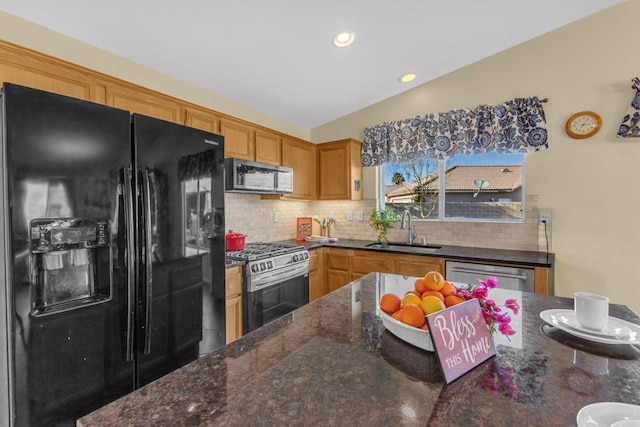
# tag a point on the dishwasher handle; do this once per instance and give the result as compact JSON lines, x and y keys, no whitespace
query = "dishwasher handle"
{"x":482,"y":272}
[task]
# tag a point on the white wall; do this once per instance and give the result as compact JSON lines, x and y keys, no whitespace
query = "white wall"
{"x":591,"y":187}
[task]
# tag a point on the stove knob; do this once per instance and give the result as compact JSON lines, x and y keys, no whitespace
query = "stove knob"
{"x":305,"y":255}
{"x":269,"y":264}
{"x":262,"y":266}
{"x":295,"y":258}
{"x":254,"y":268}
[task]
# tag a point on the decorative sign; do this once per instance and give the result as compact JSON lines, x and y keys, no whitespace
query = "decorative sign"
{"x":303,"y":228}
{"x":461,"y":338}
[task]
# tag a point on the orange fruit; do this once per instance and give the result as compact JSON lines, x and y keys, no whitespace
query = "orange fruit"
{"x":410,"y":298}
{"x":397,"y":315}
{"x":436,"y":294}
{"x":431,"y":304}
{"x":412,"y":315}
{"x":415,"y":292}
{"x":425,"y":327}
{"x":451,"y":300}
{"x":434,"y":281}
{"x":390,"y":303}
{"x":448,"y":289}
{"x":420,"y":285}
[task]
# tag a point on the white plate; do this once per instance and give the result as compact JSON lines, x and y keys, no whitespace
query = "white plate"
{"x":618,"y":331}
{"x":418,"y":337}
{"x":606,"y":413}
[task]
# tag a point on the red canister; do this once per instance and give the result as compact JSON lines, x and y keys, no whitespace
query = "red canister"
{"x":234,"y":241}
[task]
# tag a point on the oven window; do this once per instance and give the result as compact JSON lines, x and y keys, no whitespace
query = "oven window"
{"x":268,"y":304}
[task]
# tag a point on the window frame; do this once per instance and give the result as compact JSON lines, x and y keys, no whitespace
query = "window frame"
{"x":442,"y":196}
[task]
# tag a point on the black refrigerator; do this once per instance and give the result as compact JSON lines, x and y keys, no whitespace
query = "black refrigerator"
{"x":112,"y":249}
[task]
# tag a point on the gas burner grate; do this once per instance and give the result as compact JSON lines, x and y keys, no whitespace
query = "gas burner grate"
{"x":258,"y":250}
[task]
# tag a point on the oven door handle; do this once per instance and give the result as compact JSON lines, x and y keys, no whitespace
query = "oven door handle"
{"x":271,"y":278}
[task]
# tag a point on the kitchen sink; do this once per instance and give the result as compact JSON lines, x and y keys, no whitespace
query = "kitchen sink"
{"x":403,"y":247}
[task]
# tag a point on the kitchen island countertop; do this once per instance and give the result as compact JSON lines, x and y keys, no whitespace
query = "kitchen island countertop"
{"x":332,"y":362}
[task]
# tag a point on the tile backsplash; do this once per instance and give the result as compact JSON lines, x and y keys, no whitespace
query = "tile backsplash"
{"x":250,"y":215}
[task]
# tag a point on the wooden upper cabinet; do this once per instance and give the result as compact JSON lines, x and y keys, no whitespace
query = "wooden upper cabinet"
{"x":239,"y":139}
{"x":27,"y":68}
{"x":301,"y":156}
{"x":268,"y":147}
{"x":201,"y":119}
{"x":339,"y":170}
{"x":143,"y":102}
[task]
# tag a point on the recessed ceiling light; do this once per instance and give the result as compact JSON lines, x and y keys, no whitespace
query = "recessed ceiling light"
{"x":343,"y":39}
{"x":406,"y":78}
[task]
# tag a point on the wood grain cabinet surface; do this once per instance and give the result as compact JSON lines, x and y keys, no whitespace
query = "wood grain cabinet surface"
{"x":340,"y":170}
{"x":233,"y":303}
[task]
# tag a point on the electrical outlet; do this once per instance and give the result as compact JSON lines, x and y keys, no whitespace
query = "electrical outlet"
{"x":276,"y":216}
{"x":332,"y":214}
{"x":360,"y":215}
{"x":545,"y":218}
{"x":349,"y":216}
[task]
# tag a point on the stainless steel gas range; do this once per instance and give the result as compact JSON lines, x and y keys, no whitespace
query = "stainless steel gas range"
{"x":275,"y":281}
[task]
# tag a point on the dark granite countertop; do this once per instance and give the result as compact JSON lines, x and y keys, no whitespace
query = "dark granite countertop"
{"x":503,"y":256}
{"x":230,"y":263}
{"x":332,"y":362}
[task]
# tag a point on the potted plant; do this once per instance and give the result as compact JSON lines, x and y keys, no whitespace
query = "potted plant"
{"x":382,"y":220}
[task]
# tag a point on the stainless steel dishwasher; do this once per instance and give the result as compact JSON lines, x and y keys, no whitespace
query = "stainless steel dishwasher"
{"x":515,"y":278}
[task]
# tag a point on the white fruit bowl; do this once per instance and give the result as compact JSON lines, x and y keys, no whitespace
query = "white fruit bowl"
{"x":414,"y":336}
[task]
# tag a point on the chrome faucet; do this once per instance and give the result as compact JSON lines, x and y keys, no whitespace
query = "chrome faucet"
{"x":411,"y":231}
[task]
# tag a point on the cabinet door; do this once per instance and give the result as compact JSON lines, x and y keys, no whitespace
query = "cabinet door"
{"x":317,"y":288}
{"x":239,"y":139}
{"x":201,"y":119}
{"x":339,"y":170}
{"x":268,"y":147}
{"x":43,"y":72}
{"x":233,"y":318}
{"x":301,"y":156}
{"x":363,"y":263}
{"x":147,"y":103}
{"x":417,"y":265}
{"x":337,"y":279}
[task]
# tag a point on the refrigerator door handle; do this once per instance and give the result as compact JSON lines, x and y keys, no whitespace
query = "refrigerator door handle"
{"x":146,"y":208}
{"x":131,"y":257}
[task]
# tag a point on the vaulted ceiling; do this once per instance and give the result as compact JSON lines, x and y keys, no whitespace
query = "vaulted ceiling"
{"x":277,"y":56}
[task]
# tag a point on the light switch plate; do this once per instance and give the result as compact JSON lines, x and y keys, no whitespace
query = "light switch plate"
{"x":349,"y":216}
{"x":360,"y":216}
{"x":276,"y":216}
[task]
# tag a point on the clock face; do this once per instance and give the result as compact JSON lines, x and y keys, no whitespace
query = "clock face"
{"x":584,"y":124}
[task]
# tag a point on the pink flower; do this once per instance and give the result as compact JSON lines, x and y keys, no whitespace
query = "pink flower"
{"x":491,"y":312}
{"x":490,"y":283}
{"x":505,"y":329}
{"x":513,"y":305}
{"x":503,"y":318}
{"x":479,"y":293}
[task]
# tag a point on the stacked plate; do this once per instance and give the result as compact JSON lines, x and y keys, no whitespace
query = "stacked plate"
{"x":609,"y":414}
{"x":617,"y":331}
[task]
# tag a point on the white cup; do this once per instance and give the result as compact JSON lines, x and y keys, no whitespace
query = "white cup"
{"x":592,"y":310}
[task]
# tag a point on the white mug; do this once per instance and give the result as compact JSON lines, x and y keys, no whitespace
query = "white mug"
{"x":592,"y":310}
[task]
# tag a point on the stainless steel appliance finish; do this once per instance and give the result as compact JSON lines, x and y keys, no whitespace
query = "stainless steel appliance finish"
{"x":107,"y":219}
{"x":517,"y":279}
{"x":244,"y":176}
{"x":275,"y":281}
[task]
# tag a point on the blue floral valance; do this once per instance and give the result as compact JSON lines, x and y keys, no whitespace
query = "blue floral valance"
{"x":518,"y":125}
{"x":630,"y":127}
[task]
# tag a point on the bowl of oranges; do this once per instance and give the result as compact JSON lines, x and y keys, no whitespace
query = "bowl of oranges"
{"x":404,"y":310}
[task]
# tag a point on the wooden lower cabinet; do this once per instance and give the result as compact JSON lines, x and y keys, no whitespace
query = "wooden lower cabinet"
{"x":416,"y":265}
{"x":233,"y":303}
{"x":364,"y":262}
{"x":317,"y":284}
{"x":337,"y":263}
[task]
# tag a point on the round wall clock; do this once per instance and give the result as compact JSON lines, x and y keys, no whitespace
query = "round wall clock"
{"x":583,"y":124}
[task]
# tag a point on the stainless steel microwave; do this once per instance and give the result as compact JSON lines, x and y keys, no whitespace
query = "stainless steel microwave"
{"x":245,"y":176}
